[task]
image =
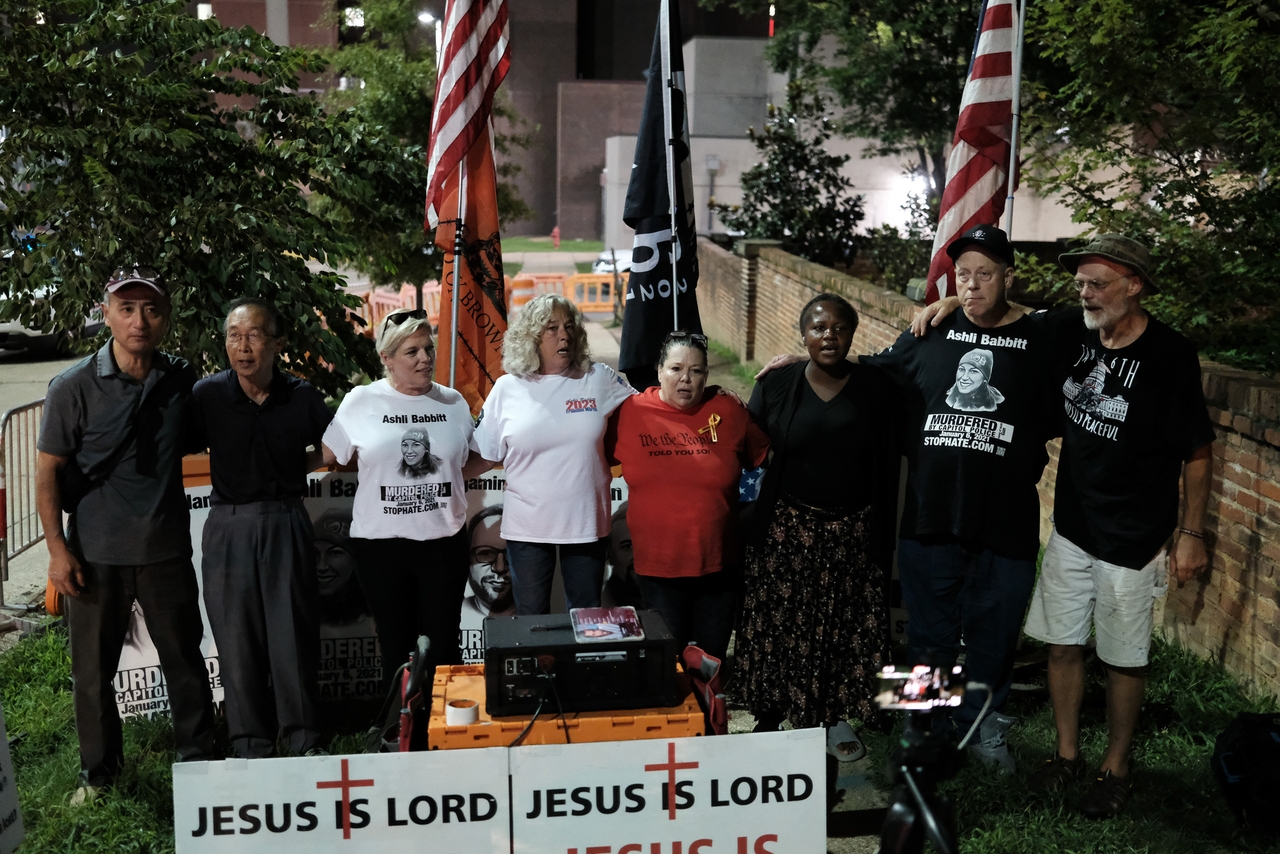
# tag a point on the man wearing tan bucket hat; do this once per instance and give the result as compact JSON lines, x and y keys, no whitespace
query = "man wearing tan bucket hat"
{"x":1135,"y":420}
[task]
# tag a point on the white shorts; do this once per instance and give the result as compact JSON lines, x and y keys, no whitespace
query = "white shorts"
{"x":1077,"y":591}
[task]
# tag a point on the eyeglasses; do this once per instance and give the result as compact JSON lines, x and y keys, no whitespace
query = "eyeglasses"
{"x":255,"y":338}
{"x":1096,"y":285}
{"x":681,"y":335}
{"x":396,"y":318}
{"x":488,"y":555}
{"x":982,"y":276}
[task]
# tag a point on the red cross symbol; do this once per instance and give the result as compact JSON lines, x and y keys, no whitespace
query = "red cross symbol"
{"x":346,"y":784}
{"x":671,"y":767}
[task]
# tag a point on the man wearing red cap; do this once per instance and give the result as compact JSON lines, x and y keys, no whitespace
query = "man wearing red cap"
{"x":110,"y":455}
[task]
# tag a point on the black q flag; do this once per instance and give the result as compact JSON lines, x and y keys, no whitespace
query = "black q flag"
{"x":652,"y":309}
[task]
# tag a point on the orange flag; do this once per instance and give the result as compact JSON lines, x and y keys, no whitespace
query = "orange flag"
{"x":482,"y":305}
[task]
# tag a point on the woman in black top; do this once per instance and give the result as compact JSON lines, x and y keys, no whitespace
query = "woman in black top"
{"x":815,"y":623}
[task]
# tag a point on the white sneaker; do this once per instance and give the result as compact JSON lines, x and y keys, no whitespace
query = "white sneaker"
{"x":85,"y":794}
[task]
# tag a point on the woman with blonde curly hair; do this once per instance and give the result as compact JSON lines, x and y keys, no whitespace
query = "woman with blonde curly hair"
{"x":544,"y":422}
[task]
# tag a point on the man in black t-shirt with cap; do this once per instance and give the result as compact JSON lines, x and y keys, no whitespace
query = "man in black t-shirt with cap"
{"x":981,"y":413}
{"x":1135,"y":420}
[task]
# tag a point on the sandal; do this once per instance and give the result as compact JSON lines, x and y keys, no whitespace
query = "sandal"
{"x":1055,"y":774}
{"x":1107,"y":796}
{"x":843,"y":743}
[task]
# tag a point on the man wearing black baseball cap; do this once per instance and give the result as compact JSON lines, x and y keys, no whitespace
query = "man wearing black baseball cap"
{"x":970,"y":526}
{"x":110,"y":455}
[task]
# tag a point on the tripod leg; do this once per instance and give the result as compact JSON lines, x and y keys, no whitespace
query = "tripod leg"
{"x":942,"y":832}
{"x":901,"y":833}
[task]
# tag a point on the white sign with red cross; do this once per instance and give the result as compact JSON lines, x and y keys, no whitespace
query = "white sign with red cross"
{"x":454,"y":800}
{"x":740,"y":794}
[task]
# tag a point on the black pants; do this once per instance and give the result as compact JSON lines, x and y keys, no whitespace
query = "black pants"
{"x":414,"y":587}
{"x":699,"y":610}
{"x":98,"y":621}
{"x":263,"y":600}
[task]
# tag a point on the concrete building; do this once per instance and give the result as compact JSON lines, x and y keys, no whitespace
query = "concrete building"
{"x":729,"y":86}
{"x":577,"y":77}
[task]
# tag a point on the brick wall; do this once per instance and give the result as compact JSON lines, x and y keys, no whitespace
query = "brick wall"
{"x":723,"y":298}
{"x":1232,"y":614}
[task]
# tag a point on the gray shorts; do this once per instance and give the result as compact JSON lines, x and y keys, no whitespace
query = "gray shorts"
{"x":1076,"y":592}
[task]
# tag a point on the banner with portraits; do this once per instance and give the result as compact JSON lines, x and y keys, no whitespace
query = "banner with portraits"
{"x":350,"y":660}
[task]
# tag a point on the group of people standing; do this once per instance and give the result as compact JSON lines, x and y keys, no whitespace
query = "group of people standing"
{"x":979,"y":392}
{"x":969,"y":398}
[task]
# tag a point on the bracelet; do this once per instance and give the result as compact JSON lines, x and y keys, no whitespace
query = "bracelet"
{"x":1190,"y":533}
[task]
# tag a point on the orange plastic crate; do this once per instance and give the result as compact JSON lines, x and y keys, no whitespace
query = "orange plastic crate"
{"x":466,"y":682}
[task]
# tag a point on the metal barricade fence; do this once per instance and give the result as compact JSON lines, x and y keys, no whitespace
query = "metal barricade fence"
{"x":20,"y":527}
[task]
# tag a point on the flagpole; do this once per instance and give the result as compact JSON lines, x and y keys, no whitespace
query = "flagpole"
{"x":1017,"y":115}
{"x":667,"y":113}
{"x":457,"y":273}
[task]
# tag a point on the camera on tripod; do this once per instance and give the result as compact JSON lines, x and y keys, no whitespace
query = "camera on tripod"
{"x":926,"y":755}
{"x":921,"y":688}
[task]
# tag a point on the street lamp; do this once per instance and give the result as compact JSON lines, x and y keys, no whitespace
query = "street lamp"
{"x":426,"y":18}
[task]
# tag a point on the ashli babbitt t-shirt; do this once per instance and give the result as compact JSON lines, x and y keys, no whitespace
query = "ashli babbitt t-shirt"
{"x":1133,"y":416}
{"x":981,"y":407}
{"x":411,"y":449}
{"x":548,"y":433}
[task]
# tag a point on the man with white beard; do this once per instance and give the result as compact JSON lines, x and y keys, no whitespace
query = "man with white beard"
{"x":1135,"y":420}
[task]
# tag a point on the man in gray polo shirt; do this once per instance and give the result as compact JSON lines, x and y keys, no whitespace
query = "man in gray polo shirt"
{"x":110,"y":454}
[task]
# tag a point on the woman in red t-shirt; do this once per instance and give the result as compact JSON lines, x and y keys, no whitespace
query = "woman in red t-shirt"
{"x":682,"y":448}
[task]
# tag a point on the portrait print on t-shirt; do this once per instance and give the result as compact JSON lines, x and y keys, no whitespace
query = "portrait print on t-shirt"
{"x":972,"y":391}
{"x":1087,"y":403}
{"x":416,"y":459}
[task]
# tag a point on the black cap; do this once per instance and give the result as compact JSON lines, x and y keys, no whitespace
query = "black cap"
{"x":987,"y":237}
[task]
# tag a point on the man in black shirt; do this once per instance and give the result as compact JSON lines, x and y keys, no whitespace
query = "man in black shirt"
{"x":1135,"y":420}
{"x":260,"y":584}
{"x":980,"y":414}
{"x":110,"y":454}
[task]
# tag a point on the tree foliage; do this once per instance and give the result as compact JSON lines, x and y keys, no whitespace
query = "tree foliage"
{"x":139,"y":134}
{"x":390,"y":75}
{"x":897,"y":68}
{"x":1167,"y":128}
{"x":902,"y":257}
{"x":797,"y":194}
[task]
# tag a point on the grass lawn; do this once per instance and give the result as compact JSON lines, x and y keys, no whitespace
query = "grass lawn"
{"x":544,"y":244}
{"x":1177,"y":808}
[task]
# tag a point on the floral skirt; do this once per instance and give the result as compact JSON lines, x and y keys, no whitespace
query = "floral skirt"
{"x":815,"y":621}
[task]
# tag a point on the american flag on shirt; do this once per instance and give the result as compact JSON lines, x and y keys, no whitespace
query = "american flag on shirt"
{"x":473,"y":60}
{"x":979,"y":161}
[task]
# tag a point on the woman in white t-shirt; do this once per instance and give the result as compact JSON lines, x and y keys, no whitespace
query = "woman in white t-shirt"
{"x":412,"y":438}
{"x":544,"y":422}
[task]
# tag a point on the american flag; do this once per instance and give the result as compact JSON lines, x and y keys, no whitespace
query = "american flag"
{"x":979,"y":161}
{"x":473,"y":60}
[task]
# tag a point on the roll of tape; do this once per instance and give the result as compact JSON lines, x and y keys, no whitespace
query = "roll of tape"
{"x":461,"y":712}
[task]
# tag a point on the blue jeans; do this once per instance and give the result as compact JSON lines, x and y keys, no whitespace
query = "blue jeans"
{"x":950,"y":590}
{"x":533,"y":566}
